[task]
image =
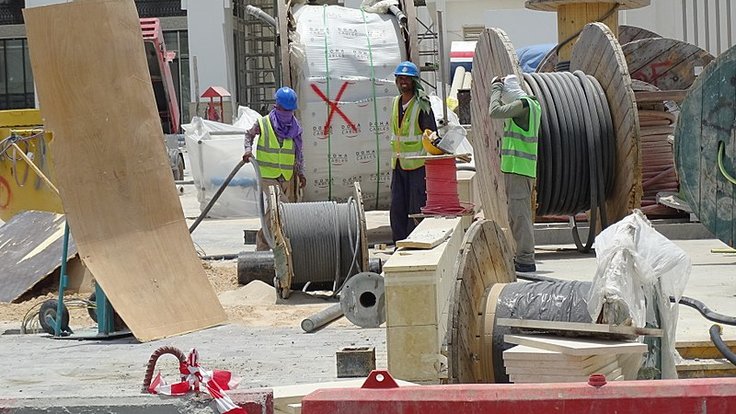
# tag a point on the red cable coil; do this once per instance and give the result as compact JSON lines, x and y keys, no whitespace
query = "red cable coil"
{"x":442,"y":196}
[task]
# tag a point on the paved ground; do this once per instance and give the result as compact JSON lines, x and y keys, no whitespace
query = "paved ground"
{"x":39,"y":367}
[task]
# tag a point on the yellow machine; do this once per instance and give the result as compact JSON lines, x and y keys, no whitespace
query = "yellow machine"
{"x":21,"y":188}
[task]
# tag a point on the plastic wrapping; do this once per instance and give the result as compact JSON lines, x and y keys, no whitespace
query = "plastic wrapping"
{"x":378,"y":6}
{"x":214,"y":150}
{"x":545,"y":301}
{"x":638,"y":270}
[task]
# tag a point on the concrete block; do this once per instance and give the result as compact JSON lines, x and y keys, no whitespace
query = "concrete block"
{"x":411,"y":299}
{"x":414,"y":353}
{"x":355,"y":362}
{"x":254,"y":400}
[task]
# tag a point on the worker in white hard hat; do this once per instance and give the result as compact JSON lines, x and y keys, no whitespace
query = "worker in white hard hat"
{"x":411,"y":114}
{"x":522,"y":115}
{"x":279,"y":149}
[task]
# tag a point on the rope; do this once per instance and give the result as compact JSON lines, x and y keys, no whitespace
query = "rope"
{"x":442,"y":196}
{"x":375,"y":110}
{"x":325,"y":239}
{"x":576,"y":157}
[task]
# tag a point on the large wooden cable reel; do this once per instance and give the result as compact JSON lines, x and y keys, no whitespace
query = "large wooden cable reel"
{"x":485,"y":261}
{"x":705,"y":147}
{"x":596,"y":53}
{"x":484,"y":265}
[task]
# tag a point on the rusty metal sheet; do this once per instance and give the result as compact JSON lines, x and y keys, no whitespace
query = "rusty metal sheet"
{"x":30,"y":250}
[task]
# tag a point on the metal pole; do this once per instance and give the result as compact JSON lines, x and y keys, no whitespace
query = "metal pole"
{"x":443,"y":74}
{"x":63,"y":278}
{"x":322,"y":318}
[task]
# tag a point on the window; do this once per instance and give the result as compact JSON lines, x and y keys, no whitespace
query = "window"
{"x":178,"y":41}
{"x":16,"y":79}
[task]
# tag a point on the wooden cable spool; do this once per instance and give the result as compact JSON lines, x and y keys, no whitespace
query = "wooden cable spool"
{"x":485,"y":261}
{"x":597,"y":53}
{"x":573,"y":15}
{"x":283,"y":255}
{"x":668,"y":64}
{"x":626,"y":34}
{"x":706,"y":127}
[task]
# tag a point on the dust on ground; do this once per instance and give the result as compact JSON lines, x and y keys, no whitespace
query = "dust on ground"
{"x":254,"y":304}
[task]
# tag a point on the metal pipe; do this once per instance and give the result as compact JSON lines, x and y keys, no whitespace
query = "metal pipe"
{"x":399,"y":14}
{"x":260,"y":15}
{"x":216,"y":196}
{"x":443,"y":68}
{"x":322,"y":318}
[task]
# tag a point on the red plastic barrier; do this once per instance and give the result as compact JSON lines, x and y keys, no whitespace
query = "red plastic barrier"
{"x":380,"y":394}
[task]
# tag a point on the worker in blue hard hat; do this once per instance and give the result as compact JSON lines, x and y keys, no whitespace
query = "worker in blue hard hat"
{"x":411,"y":115}
{"x":279,"y":150}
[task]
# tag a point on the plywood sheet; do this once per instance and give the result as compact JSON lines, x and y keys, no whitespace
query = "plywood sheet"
{"x":30,"y":249}
{"x":577,"y":346}
{"x":428,"y":234}
{"x":111,"y":168}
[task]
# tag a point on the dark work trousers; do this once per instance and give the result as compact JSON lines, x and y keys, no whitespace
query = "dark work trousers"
{"x":408,"y":196}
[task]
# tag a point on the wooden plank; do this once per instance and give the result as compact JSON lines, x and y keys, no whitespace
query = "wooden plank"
{"x":428,"y":234}
{"x":660,"y":96}
{"x":577,"y":346}
{"x":544,"y":369}
{"x":580,"y":329}
{"x":111,"y":169}
{"x":702,"y":349}
{"x":30,"y":250}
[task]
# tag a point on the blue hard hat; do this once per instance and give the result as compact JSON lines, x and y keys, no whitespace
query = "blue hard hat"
{"x":285,"y":98}
{"x":407,"y":69}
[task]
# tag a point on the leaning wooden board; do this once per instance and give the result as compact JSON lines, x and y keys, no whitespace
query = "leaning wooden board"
{"x":111,"y":168}
{"x":708,"y":119}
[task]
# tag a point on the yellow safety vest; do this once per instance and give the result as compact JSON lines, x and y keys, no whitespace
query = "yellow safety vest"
{"x":274,"y":160}
{"x":519,"y":146}
{"x":406,"y":139}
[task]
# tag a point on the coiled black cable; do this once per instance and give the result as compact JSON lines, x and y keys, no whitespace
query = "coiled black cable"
{"x":576,"y":154}
{"x":715,"y":337}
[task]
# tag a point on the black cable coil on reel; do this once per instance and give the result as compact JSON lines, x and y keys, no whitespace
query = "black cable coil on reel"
{"x":576,"y":155}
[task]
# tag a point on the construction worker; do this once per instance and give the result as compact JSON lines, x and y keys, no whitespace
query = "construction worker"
{"x":279,"y":150}
{"x":522,"y":114}
{"x":410,"y":116}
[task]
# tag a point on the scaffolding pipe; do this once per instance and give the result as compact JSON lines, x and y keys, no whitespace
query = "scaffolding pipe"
{"x":261,"y":15}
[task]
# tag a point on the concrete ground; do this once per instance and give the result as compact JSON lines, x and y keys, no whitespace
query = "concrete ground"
{"x":39,"y":369}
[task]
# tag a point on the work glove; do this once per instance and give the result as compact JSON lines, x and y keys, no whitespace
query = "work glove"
{"x":497,"y":79}
{"x":247,"y":156}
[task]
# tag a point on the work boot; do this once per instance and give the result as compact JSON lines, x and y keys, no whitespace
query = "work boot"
{"x":525,"y":267}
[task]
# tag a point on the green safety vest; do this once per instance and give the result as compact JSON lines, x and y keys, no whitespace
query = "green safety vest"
{"x":406,"y":139}
{"x":519,"y":146}
{"x":274,"y":160}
